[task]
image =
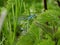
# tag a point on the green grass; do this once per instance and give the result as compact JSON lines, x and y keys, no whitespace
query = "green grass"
{"x":36,"y":30}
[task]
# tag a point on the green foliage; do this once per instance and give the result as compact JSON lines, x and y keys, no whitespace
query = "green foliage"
{"x":46,"y":42}
{"x":57,"y":34}
{"x":47,"y":17}
{"x":2,"y":3}
{"x":20,"y":29}
{"x":26,"y":40}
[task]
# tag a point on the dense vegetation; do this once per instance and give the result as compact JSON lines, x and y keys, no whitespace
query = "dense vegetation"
{"x":30,"y":22}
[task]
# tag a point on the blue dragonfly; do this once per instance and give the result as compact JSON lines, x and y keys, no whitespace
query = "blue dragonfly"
{"x":26,"y":18}
{"x":31,"y":17}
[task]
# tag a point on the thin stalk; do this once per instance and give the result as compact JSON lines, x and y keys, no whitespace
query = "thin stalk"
{"x":21,"y":4}
{"x":58,"y":3}
{"x":45,"y":4}
{"x":56,"y":41}
{"x":16,"y":8}
{"x":10,"y":32}
{"x":14,"y":22}
{"x":13,"y":17}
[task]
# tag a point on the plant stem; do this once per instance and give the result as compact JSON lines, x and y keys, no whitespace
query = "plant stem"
{"x":45,"y":4}
{"x":58,"y":3}
{"x":56,"y":41}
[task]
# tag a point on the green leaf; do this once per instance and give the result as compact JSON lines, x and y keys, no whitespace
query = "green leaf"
{"x":57,"y":34}
{"x":45,"y":28}
{"x":27,"y":39}
{"x":46,"y":42}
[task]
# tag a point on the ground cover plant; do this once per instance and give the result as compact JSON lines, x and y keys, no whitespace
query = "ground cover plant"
{"x":29,"y":22}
